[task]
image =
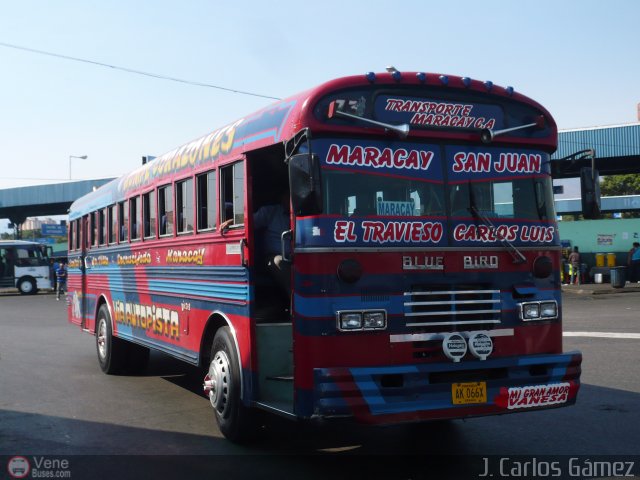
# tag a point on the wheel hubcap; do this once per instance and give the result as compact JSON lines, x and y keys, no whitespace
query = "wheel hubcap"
{"x":102,"y":338}
{"x":217,"y":382}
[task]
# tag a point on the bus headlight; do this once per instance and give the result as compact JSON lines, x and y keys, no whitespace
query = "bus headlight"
{"x":362,"y":320}
{"x":350,"y":321}
{"x":374,"y":320}
{"x":530,"y":311}
{"x":547,"y":310}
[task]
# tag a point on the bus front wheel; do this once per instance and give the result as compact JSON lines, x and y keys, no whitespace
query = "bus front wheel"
{"x":222,"y":386}
{"x":111,"y":350}
{"x":27,"y":286}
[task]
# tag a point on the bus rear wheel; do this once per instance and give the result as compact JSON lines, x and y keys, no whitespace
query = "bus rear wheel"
{"x":222,"y":386}
{"x":111,"y":350}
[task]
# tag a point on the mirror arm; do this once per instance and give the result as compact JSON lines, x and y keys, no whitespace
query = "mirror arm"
{"x":285,"y":234}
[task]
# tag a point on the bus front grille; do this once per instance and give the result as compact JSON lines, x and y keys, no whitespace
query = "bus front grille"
{"x":430,"y":305}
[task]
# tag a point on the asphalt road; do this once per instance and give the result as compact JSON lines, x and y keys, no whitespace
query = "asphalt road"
{"x":55,"y":402}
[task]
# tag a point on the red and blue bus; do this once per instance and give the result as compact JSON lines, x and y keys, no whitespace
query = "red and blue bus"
{"x":420,"y":242}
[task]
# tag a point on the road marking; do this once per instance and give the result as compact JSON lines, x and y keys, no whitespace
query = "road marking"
{"x":602,"y":335}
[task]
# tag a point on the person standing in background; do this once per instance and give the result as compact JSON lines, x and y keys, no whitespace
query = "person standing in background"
{"x":61,"y":278}
{"x":574,"y":261}
{"x":633,"y":262}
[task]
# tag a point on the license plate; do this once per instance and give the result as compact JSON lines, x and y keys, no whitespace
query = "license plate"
{"x":466,"y":393}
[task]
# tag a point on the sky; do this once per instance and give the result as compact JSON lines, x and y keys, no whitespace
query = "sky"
{"x":577,"y":58}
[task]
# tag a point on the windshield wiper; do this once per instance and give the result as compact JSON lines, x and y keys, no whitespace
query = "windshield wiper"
{"x":541,"y":205}
{"x":487,"y":135}
{"x":518,"y":257}
{"x":334,"y":111}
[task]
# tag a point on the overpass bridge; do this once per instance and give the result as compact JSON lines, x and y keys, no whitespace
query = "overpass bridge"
{"x":617,"y":150}
{"x":18,"y":204}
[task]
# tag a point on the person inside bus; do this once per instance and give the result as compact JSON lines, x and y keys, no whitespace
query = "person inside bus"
{"x":270,"y":221}
{"x":273,"y":220}
{"x":9,"y":261}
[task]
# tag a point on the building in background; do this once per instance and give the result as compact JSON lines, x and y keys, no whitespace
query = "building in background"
{"x":36,"y":223}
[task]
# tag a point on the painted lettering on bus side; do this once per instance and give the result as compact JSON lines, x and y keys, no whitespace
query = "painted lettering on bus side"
{"x":99,"y":261}
{"x":160,"y":321}
{"x":194,"y":257}
{"x":140,"y":258}
{"x":203,"y":150}
{"x":75,"y":263}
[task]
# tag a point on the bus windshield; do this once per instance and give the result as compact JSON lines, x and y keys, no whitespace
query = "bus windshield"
{"x":364,"y":194}
{"x":347,"y":194}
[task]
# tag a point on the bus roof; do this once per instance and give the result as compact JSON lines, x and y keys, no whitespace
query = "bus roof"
{"x":18,"y":243}
{"x":281,"y":120}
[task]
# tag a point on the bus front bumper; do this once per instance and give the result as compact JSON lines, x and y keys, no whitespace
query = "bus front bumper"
{"x":431,"y":391}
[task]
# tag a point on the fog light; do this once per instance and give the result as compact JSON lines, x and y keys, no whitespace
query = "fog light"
{"x":542,"y":267}
{"x":548,"y":310}
{"x":350,"y":321}
{"x":349,"y":271}
{"x":530,"y":311}
{"x":375,"y":320}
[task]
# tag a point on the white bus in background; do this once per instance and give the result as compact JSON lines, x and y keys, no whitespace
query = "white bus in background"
{"x":25,"y":266}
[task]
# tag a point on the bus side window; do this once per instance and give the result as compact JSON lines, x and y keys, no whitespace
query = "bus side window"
{"x":165,"y":206}
{"x":71,"y":238}
{"x":94,"y":229}
{"x":123,"y":222}
{"x":135,"y":217}
{"x":77,"y":234}
{"x":232,"y":187}
{"x":206,"y":201}
{"x":86,"y":232}
{"x":184,"y":205}
{"x":102,"y":215}
{"x":149,"y":208}
{"x":113,"y":224}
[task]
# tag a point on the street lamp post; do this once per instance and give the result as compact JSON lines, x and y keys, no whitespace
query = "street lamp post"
{"x":83,"y":157}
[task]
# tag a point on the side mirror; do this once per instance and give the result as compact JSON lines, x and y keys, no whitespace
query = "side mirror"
{"x":590,"y":192}
{"x":305,"y":185}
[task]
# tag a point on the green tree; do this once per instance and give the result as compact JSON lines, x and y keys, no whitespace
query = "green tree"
{"x":614,"y":185}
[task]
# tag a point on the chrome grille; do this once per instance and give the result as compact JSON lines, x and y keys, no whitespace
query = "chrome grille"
{"x":451,"y":305}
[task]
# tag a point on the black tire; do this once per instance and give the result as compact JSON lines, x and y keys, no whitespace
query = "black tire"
{"x":235,"y":421}
{"x":111,"y":350}
{"x":27,"y":286}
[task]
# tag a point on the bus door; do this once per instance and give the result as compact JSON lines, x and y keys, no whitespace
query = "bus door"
{"x":6,"y":267}
{"x":271,"y":297}
{"x":84,"y":266}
